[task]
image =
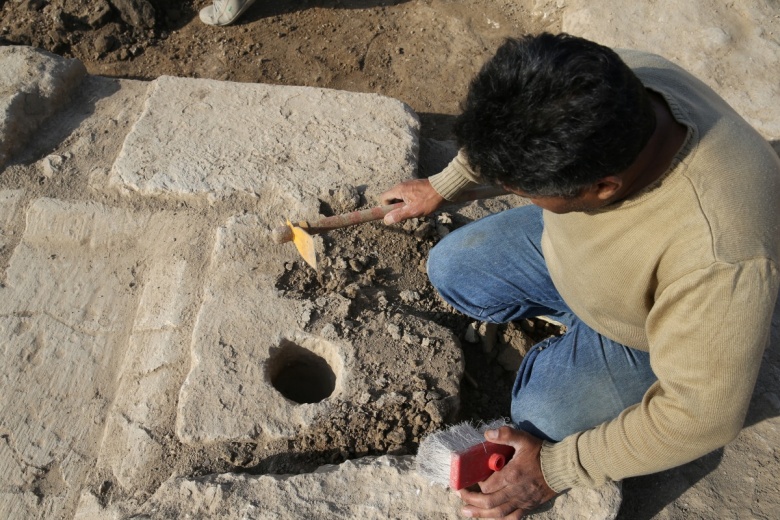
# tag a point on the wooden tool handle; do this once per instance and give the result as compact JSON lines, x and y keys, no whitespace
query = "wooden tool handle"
{"x":283,"y":234}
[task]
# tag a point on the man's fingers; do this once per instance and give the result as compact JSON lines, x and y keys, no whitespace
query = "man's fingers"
{"x":494,"y":505}
{"x":397,"y":215}
{"x":482,"y":500}
{"x":517,"y":514}
{"x":390,"y":196}
{"x":507,"y":435}
{"x":496,"y":482}
{"x":420,"y":197}
{"x":504,"y":510}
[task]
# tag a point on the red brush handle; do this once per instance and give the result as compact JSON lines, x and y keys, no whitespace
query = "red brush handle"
{"x":478,"y":463}
{"x":496,"y":461}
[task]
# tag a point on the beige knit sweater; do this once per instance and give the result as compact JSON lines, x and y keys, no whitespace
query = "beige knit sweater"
{"x":687,"y":270}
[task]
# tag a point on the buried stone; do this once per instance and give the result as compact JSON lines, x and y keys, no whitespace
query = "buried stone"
{"x":300,"y":375}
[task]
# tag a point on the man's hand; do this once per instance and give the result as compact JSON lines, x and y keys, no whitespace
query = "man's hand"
{"x":515,"y":490}
{"x":418,"y":194}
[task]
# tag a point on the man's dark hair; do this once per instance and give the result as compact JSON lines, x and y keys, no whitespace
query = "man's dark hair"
{"x":551,"y":114}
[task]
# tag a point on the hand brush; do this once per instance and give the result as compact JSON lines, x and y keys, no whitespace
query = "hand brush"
{"x":460,"y":456}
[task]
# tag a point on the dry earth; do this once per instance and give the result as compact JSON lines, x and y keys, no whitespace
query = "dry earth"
{"x":422,"y":52}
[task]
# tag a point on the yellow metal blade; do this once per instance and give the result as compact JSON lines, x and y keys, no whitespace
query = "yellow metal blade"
{"x":304,"y":243}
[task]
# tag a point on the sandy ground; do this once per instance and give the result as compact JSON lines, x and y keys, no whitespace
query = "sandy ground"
{"x":421,"y":52}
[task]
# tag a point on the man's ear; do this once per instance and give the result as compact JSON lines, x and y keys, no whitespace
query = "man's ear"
{"x":606,"y":187}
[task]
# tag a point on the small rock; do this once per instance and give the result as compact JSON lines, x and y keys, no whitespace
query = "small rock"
{"x":356,"y":265}
{"x":340,"y":263}
{"x":106,"y":43}
{"x":444,"y":219}
{"x":397,"y":436}
{"x":52,"y":164}
{"x":471,"y":335}
{"x":306,"y":315}
{"x":55,"y":15}
{"x":352,"y":290}
{"x":424,"y":230}
{"x":409,"y":296}
{"x":411,"y":339}
{"x":344,"y":199}
{"x":394,"y":330}
{"x":437,"y":410}
{"x":411,"y":224}
{"x":489,"y":334}
{"x":391,"y":399}
{"x":329,"y":331}
{"x":98,"y":14}
{"x":137,"y":13}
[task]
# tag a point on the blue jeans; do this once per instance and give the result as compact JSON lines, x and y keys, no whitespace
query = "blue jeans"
{"x":493,"y":270}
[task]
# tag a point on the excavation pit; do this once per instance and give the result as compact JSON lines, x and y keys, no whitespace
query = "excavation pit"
{"x":301,"y":375}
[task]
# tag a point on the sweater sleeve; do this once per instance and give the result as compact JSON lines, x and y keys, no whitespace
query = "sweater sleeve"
{"x":455,"y":178}
{"x":707,"y":333}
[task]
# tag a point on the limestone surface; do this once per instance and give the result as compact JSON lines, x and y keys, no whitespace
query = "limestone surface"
{"x":371,"y":488}
{"x":728,"y":46}
{"x":67,"y":308}
{"x":33,"y":85}
{"x":203,"y":137}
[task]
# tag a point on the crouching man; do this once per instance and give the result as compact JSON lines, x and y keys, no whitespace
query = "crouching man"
{"x":653,"y":235}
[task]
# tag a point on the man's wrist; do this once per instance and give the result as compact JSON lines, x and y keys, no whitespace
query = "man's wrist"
{"x":558,"y":470}
{"x":448,"y":184}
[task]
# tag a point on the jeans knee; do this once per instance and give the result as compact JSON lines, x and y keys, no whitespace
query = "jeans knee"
{"x":439,"y":267}
{"x":545,"y":418}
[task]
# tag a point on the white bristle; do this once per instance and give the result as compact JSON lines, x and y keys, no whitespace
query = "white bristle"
{"x":434,"y":455}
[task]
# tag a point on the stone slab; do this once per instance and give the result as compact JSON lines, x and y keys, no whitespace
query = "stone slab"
{"x":733,"y":47}
{"x":33,"y":85}
{"x":138,"y":422}
{"x":371,"y":488}
{"x":203,"y":137}
{"x":67,"y":307}
{"x":247,"y":331}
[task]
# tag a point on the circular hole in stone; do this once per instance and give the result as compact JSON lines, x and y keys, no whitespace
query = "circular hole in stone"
{"x":300,"y":375}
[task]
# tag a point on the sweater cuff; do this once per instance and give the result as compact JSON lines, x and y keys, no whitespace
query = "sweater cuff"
{"x":453,"y":179}
{"x":559,"y":464}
